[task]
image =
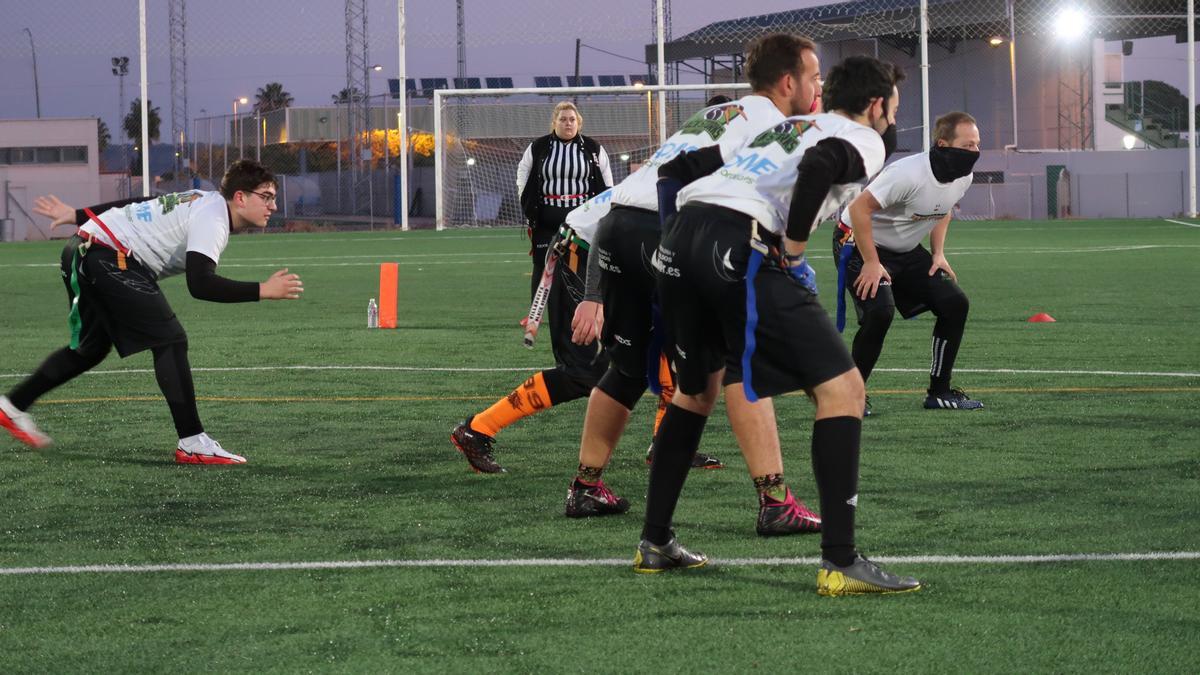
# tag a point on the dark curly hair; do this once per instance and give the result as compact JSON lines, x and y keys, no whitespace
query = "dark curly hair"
{"x":852,"y":84}
{"x":245,"y":175}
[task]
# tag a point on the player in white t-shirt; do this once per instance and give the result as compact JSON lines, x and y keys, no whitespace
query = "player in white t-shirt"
{"x":111,"y":268}
{"x":740,"y":306}
{"x":784,"y":71}
{"x":883,"y":264}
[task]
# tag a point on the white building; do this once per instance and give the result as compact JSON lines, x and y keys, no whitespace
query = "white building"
{"x":46,"y":156}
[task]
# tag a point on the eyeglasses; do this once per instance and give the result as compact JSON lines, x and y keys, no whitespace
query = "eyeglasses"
{"x":268,"y":197}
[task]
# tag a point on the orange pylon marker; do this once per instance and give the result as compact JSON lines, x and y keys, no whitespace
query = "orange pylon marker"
{"x":389,"y":287}
{"x":1040,"y":317}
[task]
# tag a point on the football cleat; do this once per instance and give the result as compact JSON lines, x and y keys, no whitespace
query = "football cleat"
{"x":206,"y":451}
{"x":787,"y":517}
{"x":700,"y":461}
{"x":861,"y":577}
{"x":955,"y":399}
{"x":476,"y":447}
{"x":867,"y":408}
{"x":21,"y":425}
{"x":652,"y":558}
{"x":593,"y":500}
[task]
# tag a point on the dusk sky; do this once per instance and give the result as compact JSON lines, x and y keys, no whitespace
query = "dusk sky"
{"x":235,"y":47}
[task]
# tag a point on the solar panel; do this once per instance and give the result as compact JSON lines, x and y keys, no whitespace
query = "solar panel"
{"x":547,"y":81}
{"x":581,"y":81}
{"x":499,"y":82}
{"x":644,"y":79}
{"x":612,"y":80}
{"x":428,"y":84}
{"x":467,"y":83}
{"x":394,"y":86}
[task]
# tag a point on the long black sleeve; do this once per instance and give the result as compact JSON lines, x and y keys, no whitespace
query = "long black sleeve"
{"x":693,"y":165}
{"x":832,"y":161}
{"x":81,"y":217}
{"x":204,"y":283}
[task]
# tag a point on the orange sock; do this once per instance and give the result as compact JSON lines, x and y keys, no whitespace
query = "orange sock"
{"x":530,"y":398}
{"x":668,"y":391}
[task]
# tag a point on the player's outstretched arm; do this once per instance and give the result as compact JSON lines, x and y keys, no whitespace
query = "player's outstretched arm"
{"x":281,"y":286}
{"x":53,"y":208}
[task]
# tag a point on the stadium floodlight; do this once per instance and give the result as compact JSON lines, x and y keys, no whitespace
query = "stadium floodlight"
{"x":1070,"y":23}
{"x":1129,"y":140}
{"x":995,"y":41}
{"x":470,"y":161}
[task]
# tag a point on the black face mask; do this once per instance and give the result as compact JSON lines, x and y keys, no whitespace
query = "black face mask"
{"x":889,"y":140}
{"x":950,"y":164}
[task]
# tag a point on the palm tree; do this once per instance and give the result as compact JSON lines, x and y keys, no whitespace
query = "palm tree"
{"x":132,"y":125}
{"x":347,"y":95}
{"x":103,"y":136}
{"x":272,"y":97}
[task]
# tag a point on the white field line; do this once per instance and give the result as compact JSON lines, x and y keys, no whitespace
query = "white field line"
{"x":590,"y":562}
{"x":1180,"y":222}
{"x":422,"y":369}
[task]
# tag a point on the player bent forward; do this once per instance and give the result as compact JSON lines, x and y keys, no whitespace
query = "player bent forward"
{"x":111,"y":269}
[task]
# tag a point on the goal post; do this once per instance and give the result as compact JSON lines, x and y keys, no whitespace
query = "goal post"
{"x":479,"y":136}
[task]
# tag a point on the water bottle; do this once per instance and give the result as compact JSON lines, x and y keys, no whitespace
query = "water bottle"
{"x":372,"y":314}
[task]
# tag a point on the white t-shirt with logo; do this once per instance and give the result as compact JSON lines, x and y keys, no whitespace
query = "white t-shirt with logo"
{"x":759,"y":177}
{"x":911,"y":201}
{"x":160,"y":232}
{"x":726,"y":124}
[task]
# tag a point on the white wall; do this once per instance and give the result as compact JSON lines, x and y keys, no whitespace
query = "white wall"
{"x":76,"y":184}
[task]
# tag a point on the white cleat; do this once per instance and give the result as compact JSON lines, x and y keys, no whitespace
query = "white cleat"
{"x":203,"y":449}
{"x":21,"y":425}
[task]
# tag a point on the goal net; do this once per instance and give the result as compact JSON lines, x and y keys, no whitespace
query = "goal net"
{"x":481,"y":134}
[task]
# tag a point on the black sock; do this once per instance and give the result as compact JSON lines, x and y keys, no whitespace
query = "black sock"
{"x":60,"y":367}
{"x":835,"y":447}
{"x":675,"y":445}
{"x":174,"y":375}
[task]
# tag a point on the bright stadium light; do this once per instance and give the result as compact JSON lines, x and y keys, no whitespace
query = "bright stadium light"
{"x":1070,"y":23}
{"x":625,"y":157}
{"x":1129,"y":141}
{"x":995,"y":41}
{"x":470,"y":161}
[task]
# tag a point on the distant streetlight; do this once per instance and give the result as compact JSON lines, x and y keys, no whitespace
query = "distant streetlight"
{"x":1129,"y":140}
{"x":37,"y":96}
{"x":470,"y":161}
{"x":995,"y":41}
{"x":625,"y":157}
{"x":238,"y":122}
{"x":377,"y":68}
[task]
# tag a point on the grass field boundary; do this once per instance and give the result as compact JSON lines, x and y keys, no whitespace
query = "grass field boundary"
{"x":522,"y":369}
{"x":1180,"y":222}
{"x":589,"y":562}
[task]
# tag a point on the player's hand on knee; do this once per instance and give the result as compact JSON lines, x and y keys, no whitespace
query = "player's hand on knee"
{"x":940,"y":263}
{"x":281,"y":286}
{"x":587,"y":322}
{"x":867,"y":283}
{"x":53,"y":208}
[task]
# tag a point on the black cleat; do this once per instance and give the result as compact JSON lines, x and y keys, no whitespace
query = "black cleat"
{"x":593,"y":500}
{"x":790,"y":516}
{"x":955,"y":399}
{"x":867,"y":408}
{"x":652,"y":558}
{"x":476,"y":447}
{"x":700,"y":461}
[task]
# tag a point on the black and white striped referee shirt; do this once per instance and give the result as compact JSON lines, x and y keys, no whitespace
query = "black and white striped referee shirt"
{"x":565,"y":172}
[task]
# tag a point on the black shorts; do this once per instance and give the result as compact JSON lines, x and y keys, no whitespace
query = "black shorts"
{"x":625,"y":240}
{"x":772,"y":334}
{"x":122,"y":308}
{"x":912,"y":290}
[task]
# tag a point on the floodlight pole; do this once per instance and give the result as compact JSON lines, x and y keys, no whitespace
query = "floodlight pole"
{"x":1191,"y":61}
{"x":145,"y":101}
{"x":402,"y":122}
{"x":1012,"y":67}
{"x":37,"y":95}
{"x":662,"y":73}
{"x":925,"y":75}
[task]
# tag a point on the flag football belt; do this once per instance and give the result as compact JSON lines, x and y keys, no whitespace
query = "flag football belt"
{"x":74,"y":320}
{"x":846,"y":240}
{"x":764,"y":245}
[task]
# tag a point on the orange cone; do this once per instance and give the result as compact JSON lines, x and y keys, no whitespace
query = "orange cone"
{"x":1041,"y":317}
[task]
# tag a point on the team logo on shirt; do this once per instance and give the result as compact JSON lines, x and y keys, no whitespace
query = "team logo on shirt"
{"x":170,"y":201}
{"x":787,"y":134}
{"x":712,"y":121}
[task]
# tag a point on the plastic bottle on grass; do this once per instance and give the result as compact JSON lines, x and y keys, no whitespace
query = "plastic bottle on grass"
{"x":372,"y":314}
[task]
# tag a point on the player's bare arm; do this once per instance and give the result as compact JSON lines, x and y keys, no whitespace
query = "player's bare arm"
{"x":873,"y":272}
{"x":937,"y":247}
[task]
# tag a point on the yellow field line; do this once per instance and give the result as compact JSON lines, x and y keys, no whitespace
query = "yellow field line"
{"x":410,"y":399}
